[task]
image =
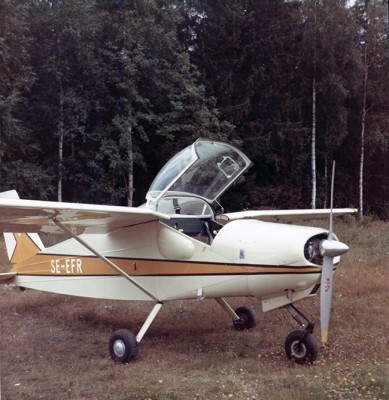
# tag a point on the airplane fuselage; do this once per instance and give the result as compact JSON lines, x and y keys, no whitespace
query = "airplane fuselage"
{"x":246,"y":258}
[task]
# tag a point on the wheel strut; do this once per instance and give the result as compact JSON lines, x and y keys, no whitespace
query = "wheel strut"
{"x":298,"y":316}
{"x":301,"y":346}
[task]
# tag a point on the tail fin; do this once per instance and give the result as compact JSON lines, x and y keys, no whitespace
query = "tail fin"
{"x":20,"y":246}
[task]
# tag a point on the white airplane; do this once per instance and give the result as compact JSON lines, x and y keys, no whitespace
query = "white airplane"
{"x":179,"y":245}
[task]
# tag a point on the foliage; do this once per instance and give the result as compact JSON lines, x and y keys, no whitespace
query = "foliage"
{"x":96,"y":95}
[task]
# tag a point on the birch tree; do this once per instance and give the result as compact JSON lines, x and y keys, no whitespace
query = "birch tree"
{"x":373,"y":106}
{"x":313,"y":137}
{"x":363,"y":119}
{"x":327,"y":32}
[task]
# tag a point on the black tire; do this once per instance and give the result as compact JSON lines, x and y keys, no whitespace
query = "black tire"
{"x":302,"y":347}
{"x":123,"y":346}
{"x":248,"y":318}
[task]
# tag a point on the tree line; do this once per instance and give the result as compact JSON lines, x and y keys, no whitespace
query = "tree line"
{"x":96,"y":95}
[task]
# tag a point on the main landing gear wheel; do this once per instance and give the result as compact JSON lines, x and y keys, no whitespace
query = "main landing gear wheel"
{"x":301,"y":346}
{"x":123,"y":346}
{"x":247,"y":318}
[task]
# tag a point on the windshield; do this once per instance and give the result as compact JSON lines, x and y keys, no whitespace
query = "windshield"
{"x":170,"y":172}
{"x":205,"y":169}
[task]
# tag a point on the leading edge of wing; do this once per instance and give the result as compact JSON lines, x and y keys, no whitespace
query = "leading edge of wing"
{"x":287,"y":215}
{"x":38,"y":216}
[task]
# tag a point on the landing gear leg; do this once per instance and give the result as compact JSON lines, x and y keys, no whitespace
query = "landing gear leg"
{"x":300,"y":345}
{"x":242,"y":318}
{"x":123,"y":344}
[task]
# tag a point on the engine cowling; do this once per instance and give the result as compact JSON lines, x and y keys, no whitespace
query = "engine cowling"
{"x":267,"y":243}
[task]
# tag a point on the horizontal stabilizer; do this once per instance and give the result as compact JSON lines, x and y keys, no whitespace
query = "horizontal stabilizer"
{"x":7,"y":277}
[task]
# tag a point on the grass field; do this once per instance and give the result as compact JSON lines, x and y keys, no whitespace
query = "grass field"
{"x":55,"y":347}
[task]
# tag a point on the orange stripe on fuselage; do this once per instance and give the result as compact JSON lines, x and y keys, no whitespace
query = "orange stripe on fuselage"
{"x":46,"y":264}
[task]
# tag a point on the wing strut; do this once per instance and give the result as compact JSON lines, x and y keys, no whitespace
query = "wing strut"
{"x":106,"y":260}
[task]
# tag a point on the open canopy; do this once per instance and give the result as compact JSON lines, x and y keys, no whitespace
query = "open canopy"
{"x":205,"y":169}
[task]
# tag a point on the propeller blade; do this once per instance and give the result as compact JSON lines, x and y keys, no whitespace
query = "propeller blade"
{"x":327,"y":274}
{"x":329,"y":249}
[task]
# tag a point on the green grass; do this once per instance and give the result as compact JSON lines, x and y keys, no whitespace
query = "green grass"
{"x":55,"y":347}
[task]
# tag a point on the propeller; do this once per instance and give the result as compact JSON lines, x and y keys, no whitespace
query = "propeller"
{"x":329,"y":249}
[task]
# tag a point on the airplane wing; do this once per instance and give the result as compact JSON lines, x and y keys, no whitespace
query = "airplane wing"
{"x":38,"y":216}
{"x":285,"y":215}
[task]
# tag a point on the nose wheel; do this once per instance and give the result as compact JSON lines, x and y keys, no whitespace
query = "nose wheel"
{"x":301,"y":345}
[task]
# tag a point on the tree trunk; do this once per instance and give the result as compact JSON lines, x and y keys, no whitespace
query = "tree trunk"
{"x":313,"y":156}
{"x":363,"y":128}
{"x":130,"y":171}
{"x":60,"y":143}
{"x":364,"y":113}
{"x":326,"y":181}
{"x":313,"y":138}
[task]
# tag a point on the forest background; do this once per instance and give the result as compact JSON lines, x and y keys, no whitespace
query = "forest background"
{"x":96,"y":95}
